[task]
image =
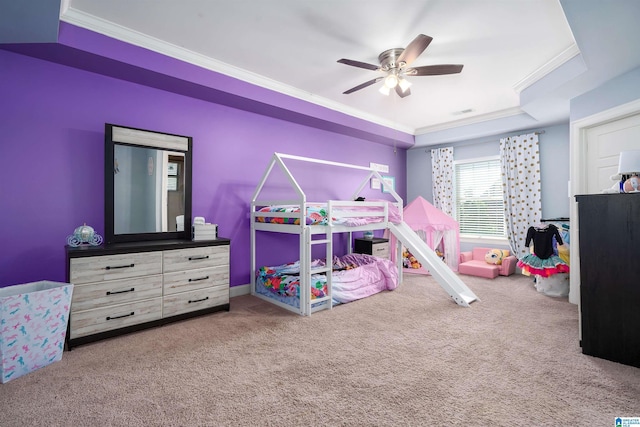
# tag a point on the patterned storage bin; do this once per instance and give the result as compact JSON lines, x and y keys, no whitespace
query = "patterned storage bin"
{"x":33,"y":326}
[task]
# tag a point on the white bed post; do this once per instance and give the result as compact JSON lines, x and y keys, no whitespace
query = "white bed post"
{"x":400,"y":206}
{"x":399,"y":265}
{"x":305,"y":271}
{"x":253,"y":257}
{"x":253,"y":227}
{"x":329,"y":238}
{"x":305,"y":240}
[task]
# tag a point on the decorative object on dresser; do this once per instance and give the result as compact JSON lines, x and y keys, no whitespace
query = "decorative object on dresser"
{"x":375,"y":246}
{"x":205,"y":231}
{"x":629,"y":166}
{"x":609,"y":232}
{"x":84,"y":235}
{"x":122,"y":288}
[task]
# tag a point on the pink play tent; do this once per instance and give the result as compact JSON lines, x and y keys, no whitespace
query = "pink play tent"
{"x":437,"y":229}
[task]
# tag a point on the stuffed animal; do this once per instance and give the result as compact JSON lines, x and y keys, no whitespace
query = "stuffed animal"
{"x":632,"y":184}
{"x":495,"y":256}
{"x":409,"y":261}
{"x":618,"y":187}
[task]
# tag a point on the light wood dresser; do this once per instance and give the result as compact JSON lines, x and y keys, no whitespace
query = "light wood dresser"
{"x":125,"y":287}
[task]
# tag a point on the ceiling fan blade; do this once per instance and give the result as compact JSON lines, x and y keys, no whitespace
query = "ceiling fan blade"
{"x":414,"y":49}
{"x":363,"y":85}
{"x":434,"y":70}
{"x":401,"y":93}
{"x":358,"y":64}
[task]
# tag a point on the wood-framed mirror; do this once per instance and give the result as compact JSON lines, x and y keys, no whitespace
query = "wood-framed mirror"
{"x":147,"y":185}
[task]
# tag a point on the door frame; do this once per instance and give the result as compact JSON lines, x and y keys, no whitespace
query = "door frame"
{"x":578,"y":178}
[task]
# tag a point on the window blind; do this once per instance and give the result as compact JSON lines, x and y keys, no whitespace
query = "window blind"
{"x":479,"y":198}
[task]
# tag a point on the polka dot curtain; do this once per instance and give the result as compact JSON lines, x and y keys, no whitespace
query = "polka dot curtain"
{"x":520,"y":162}
{"x":442,"y":179}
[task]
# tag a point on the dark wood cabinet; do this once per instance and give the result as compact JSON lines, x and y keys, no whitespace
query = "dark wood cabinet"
{"x":609,"y":233}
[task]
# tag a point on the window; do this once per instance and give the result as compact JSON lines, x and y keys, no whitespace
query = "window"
{"x":479,"y":198}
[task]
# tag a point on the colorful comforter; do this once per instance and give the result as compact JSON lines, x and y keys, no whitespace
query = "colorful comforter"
{"x":355,"y":276}
{"x":317,"y":215}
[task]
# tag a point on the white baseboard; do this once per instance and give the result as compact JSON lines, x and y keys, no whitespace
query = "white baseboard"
{"x":236,"y":291}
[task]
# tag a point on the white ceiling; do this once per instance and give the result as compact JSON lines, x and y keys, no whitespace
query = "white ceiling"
{"x":292,"y":46}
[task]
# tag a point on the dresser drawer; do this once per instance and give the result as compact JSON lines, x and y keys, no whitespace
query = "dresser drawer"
{"x":98,"y":320}
{"x":381,"y":250}
{"x":113,"y":267}
{"x":185,"y":302}
{"x":100,"y":294}
{"x":190,"y":280}
{"x":186,"y":259}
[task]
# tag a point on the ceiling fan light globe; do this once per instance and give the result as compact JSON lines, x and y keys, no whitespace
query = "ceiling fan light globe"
{"x":391,"y":81}
{"x":404,"y":84}
{"x":384,"y":90}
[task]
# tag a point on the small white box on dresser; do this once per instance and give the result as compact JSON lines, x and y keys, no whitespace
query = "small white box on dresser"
{"x":205,"y":232}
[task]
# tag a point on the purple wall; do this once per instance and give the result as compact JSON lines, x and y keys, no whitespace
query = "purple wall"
{"x":52,"y":120}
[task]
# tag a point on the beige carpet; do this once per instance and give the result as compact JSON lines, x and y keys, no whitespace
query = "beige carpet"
{"x":410,"y":357}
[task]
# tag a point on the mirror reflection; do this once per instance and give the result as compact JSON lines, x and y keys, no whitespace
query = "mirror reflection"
{"x":147,"y":185}
{"x":148,"y":189}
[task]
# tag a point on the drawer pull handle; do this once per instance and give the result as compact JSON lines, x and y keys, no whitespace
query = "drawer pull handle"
{"x":121,"y":292}
{"x":199,"y":278}
{"x":120,"y":317}
{"x":195,"y":258}
{"x":109,"y":267}
{"x":198,"y":300}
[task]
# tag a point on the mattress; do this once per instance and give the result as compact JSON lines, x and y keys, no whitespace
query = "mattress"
{"x":355,"y":276}
{"x":317,"y":214}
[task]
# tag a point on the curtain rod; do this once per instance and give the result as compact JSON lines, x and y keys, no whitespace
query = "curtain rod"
{"x":563,"y":219}
{"x":428,"y":149}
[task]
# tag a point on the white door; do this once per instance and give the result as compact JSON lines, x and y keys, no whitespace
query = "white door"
{"x":604,"y":144}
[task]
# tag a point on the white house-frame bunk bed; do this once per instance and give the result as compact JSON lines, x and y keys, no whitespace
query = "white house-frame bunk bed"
{"x":369,"y":216}
{"x":339,"y":215}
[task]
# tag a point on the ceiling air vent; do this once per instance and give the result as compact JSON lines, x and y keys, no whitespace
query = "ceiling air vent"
{"x":458,"y":113}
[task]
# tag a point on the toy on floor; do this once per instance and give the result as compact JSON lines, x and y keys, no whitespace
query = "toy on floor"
{"x":409,"y":261}
{"x":495,"y":256}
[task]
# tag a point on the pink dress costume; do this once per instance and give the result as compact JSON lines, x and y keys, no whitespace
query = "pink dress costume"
{"x":543,"y":261}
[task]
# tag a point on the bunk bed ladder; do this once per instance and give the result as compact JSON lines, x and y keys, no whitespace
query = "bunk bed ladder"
{"x":315,"y":304}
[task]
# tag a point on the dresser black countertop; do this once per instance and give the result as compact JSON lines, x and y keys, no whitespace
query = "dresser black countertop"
{"x":146,"y":246}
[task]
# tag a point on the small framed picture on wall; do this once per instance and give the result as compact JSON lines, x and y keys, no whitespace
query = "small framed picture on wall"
{"x":389,"y":182}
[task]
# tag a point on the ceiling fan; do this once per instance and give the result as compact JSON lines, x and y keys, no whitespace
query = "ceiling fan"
{"x":395,"y":64}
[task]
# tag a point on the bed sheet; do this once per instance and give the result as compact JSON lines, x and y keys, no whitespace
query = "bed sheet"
{"x":317,"y":215}
{"x":355,"y":276}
